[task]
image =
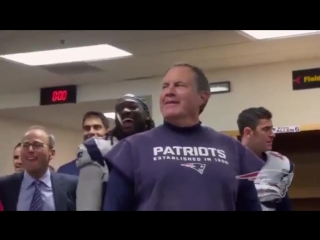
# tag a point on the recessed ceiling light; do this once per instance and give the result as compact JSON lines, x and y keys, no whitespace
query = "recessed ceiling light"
{"x":68,"y":55}
{"x":269,"y":34}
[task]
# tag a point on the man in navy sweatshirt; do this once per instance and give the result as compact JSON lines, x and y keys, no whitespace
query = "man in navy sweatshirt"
{"x":93,"y":124}
{"x":273,"y":181}
{"x":181,"y":165}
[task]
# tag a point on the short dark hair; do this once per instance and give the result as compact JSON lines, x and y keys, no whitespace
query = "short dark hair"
{"x":201,"y":80}
{"x":99,"y":115}
{"x":250,"y":118}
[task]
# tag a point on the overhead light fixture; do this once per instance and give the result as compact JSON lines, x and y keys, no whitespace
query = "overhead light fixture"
{"x":68,"y":55}
{"x":220,"y":87}
{"x":269,"y":34}
{"x":111,"y":115}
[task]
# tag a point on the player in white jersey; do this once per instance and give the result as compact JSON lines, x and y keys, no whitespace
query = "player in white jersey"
{"x":132,"y":116}
{"x":272,"y":182}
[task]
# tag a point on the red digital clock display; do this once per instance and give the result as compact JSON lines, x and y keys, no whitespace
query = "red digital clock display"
{"x":58,"y":95}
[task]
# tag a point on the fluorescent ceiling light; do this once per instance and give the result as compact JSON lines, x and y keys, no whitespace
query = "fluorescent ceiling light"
{"x":111,"y":115}
{"x":68,"y":55}
{"x":219,"y":87}
{"x":268,"y":34}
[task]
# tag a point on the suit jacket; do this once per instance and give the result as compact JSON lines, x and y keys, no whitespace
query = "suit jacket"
{"x":69,"y":168}
{"x":64,"y":188}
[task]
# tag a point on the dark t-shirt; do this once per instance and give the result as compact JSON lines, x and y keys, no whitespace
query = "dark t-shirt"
{"x":171,"y":168}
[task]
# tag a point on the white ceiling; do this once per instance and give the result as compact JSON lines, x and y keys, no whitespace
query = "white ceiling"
{"x":153,"y":52}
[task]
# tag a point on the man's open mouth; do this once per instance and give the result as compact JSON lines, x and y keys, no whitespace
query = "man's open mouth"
{"x":127,"y":122}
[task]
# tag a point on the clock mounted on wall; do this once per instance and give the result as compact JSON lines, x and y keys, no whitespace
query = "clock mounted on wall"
{"x":58,"y":95}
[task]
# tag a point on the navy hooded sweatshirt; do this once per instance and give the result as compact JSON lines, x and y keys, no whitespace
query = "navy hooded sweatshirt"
{"x":179,"y":169}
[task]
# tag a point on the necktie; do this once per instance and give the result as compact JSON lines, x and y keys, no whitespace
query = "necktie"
{"x":37,"y":201}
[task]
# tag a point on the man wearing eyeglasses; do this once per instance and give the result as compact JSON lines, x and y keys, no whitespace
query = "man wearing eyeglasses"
{"x":37,"y":188}
{"x":17,"y":164}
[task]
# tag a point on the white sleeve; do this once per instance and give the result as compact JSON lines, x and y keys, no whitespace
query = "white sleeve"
{"x":90,"y":188}
{"x":274,"y":179}
{"x":93,"y":172}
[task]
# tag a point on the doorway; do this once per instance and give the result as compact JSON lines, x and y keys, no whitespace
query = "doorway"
{"x":303,"y":149}
{"x":305,"y":204}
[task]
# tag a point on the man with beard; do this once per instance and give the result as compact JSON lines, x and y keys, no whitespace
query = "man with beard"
{"x":272,"y":182}
{"x":181,"y":165}
{"x":93,"y":124}
{"x":131,"y":116}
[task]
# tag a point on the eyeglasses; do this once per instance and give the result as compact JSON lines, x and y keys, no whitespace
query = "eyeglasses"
{"x":35,"y":145}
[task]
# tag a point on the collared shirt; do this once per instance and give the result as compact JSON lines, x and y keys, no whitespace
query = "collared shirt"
{"x":27,"y":190}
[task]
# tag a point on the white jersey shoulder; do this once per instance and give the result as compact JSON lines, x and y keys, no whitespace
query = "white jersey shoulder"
{"x":93,"y":172}
{"x":275,"y":177}
{"x":83,"y":156}
{"x":277,"y":161}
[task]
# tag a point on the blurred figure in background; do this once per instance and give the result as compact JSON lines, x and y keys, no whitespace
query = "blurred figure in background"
{"x":132,"y":116}
{"x":93,"y":124}
{"x":17,"y":164}
{"x":273,"y":181}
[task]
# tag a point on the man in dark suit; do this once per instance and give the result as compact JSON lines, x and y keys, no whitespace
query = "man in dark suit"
{"x":37,"y":188}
